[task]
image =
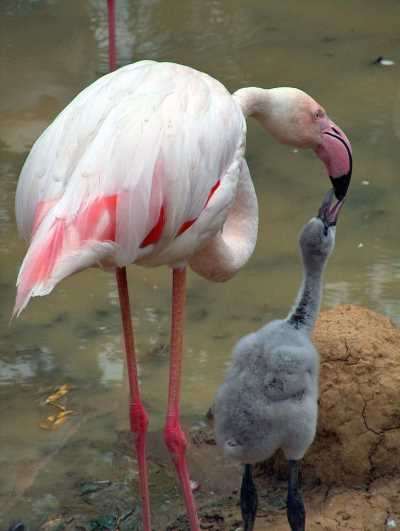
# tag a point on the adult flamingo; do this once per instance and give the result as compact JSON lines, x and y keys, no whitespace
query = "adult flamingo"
{"x":147,"y":166}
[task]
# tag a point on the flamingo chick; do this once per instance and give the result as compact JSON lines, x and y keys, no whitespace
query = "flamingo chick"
{"x":147,"y":166}
{"x":269,"y":399}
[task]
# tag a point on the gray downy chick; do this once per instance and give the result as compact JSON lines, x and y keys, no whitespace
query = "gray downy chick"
{"x":269,"y":399}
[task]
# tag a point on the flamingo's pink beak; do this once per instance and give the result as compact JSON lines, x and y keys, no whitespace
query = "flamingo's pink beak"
{"x":335,"y":152}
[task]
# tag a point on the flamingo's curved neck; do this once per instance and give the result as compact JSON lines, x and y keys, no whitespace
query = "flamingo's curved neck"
{"x":272,"y":108}
{"x":282,"y":112}
{"x":231,"y":248}
{"x":256,"y":102}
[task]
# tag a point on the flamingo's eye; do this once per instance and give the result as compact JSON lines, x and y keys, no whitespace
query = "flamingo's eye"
{"x":318,"y":114}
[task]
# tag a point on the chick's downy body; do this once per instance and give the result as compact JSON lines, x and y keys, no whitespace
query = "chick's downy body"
{"x":269,"y":398}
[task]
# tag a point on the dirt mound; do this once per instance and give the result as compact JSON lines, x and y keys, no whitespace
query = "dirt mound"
{"x":358,"y":437}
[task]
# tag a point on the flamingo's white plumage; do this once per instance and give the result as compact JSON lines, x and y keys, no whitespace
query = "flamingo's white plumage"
{"x":130,"y":163}
{"x":147,"y":166}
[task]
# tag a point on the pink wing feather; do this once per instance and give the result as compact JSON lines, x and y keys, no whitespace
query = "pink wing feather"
{"x":128,"y":165}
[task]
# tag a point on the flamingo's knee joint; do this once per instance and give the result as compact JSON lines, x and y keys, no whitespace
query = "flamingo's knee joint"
{"x":139,"y":419}
{"x":175,"y":439}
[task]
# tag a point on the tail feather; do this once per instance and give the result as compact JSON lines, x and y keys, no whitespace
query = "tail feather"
{"x":60,"y":248}
{"x":37,"y":267}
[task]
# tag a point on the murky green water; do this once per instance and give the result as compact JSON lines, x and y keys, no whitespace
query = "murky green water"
{"x":49,"y":51}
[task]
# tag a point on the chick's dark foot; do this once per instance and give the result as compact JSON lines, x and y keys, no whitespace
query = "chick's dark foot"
{"x":19,"y":526}
{"x":296,"y":513}
{"x":248,"y":499}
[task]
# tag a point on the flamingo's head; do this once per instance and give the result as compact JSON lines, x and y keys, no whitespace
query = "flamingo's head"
{"x":294,"y":118}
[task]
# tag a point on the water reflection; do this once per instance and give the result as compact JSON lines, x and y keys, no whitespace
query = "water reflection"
{"x":111,"y":363}
{"x":125,"y":36}
{"x":383,"y":279}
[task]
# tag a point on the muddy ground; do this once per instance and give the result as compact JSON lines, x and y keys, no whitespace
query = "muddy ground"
{"x":106,"y":503}
{"x":351,"y":474}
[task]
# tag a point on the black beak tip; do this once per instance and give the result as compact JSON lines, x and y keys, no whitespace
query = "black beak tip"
{"x":341,"y":185}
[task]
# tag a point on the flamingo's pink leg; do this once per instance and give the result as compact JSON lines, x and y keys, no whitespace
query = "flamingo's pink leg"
{"x":175,"y":438}
{"x":137,"y":414}
{"x":112,"y":53}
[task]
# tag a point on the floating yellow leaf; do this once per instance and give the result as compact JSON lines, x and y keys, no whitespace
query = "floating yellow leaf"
{"x":60,"y":392}
{"x":60,"y":421}
{"x":66,"y":413}
{"x":59,"y":406}
{"x":55,"y":421}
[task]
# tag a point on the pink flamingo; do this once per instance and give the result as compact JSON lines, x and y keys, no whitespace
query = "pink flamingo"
{"x":147,"y":166}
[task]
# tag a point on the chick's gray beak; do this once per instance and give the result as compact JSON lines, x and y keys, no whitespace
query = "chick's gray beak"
{"x":330,"y":208}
